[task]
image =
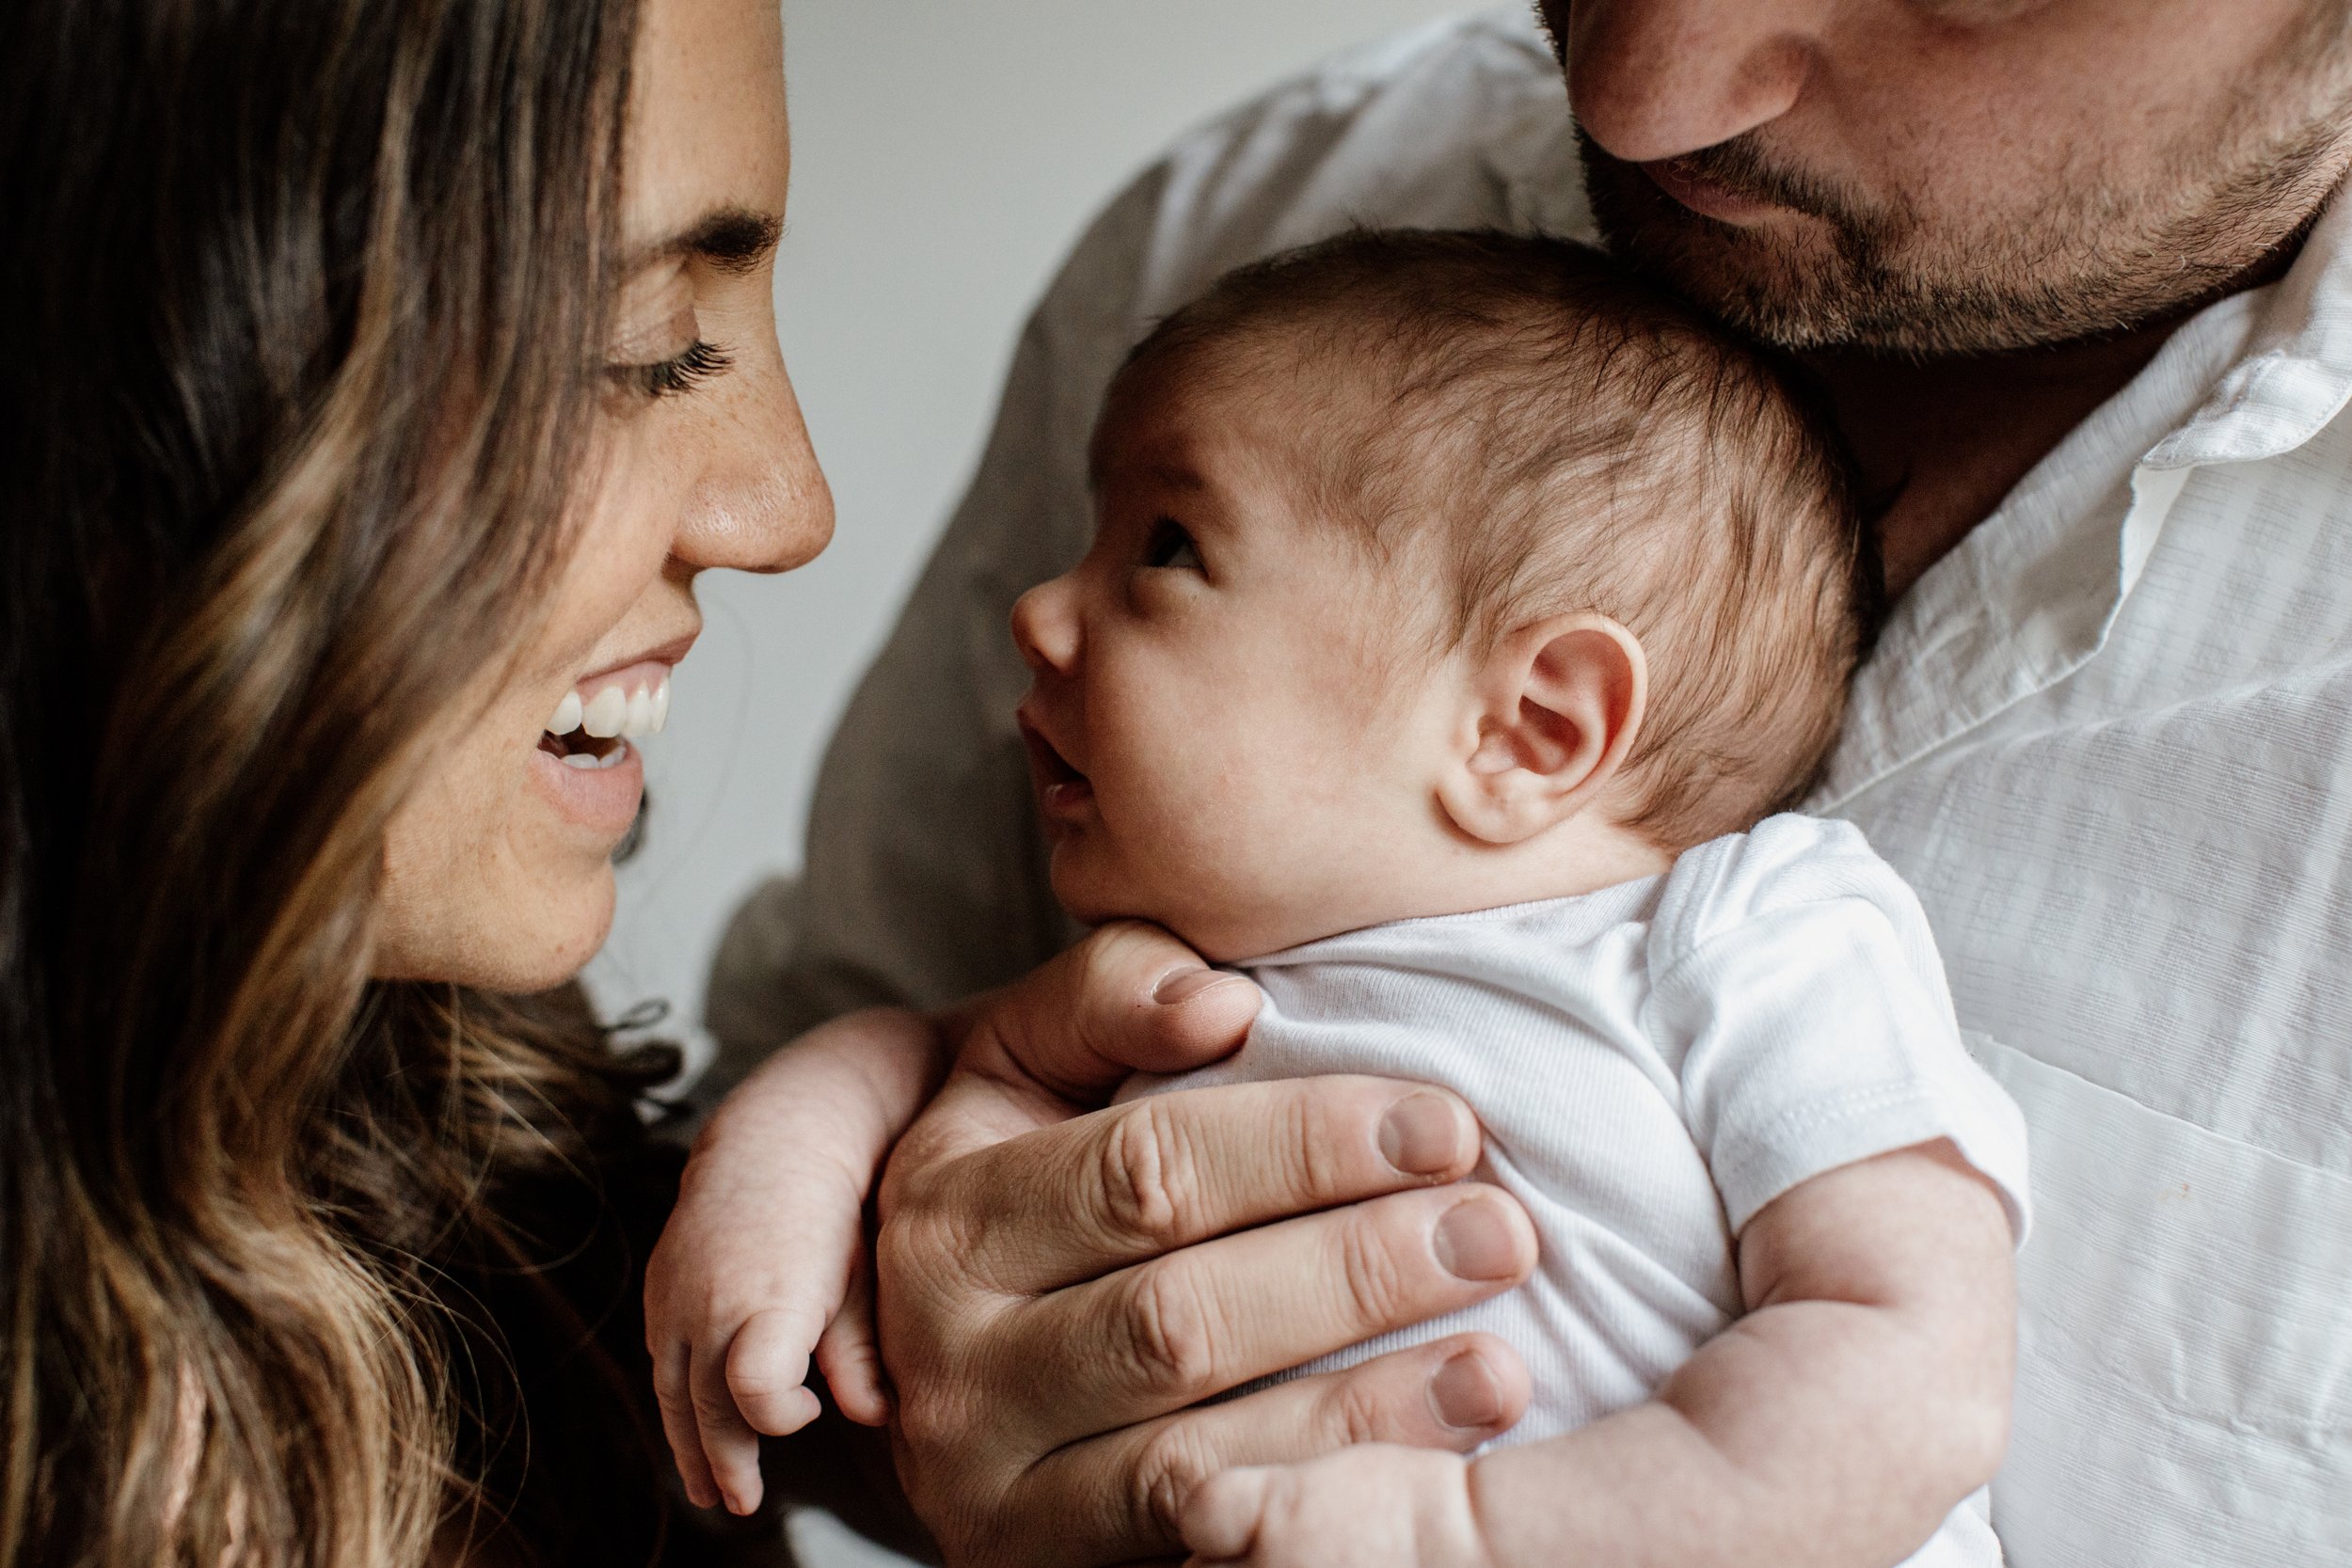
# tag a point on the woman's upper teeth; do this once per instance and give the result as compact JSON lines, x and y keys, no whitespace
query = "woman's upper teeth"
{"x":614,"y":711}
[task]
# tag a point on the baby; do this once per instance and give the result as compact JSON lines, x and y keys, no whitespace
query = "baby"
{"x":1460,"y":612}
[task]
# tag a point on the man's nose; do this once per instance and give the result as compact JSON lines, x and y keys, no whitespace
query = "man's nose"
{"x":1046,"y":627}
{"x":1653,"y":79}
{"x":759,"y":502}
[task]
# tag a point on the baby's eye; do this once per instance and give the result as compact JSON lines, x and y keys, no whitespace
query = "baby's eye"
{"x":1169,"y":547}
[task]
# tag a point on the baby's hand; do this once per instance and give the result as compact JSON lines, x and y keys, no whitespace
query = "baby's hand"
{"x":1377,"y":1506}
{"x":762,"y":1267}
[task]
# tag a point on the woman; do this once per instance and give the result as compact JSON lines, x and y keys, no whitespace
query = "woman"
{"x":386,"y":373}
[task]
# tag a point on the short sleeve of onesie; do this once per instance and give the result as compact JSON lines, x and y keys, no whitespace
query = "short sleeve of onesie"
{"x":1796,"y":988}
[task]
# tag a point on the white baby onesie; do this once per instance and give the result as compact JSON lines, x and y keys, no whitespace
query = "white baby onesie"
{"x":1653,"y":1064}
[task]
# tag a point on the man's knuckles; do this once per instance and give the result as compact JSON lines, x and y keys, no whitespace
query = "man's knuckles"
{"x":1174,"y":1463}
{"x":924,"y":1248}
{"x":1146,"y":1181}
{"x":1383,"y":1264}
{"x":1168,"y":1332}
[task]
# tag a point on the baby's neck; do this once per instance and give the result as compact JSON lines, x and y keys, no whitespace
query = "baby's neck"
{"x":1582,"y":855}
{"x":1453,"y":873}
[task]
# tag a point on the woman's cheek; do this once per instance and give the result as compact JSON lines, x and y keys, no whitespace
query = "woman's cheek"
{"x":484,"y":884}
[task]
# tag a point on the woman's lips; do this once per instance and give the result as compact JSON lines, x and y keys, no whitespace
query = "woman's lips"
{"x":604,"y":799}
{"x":586,"y":764}
{"x":1705,"y":197}
{"x":1063,"y":793}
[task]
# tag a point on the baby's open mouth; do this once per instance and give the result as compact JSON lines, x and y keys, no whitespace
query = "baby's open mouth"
{"x":1060,"y":787}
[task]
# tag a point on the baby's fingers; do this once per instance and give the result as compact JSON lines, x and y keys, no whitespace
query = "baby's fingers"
{"x":1222,"y":1517}
{"x":674,"y":1394}
{"x":767,"y":1374}
{"x":729,"y":1446}
{"x":850,"y":1356}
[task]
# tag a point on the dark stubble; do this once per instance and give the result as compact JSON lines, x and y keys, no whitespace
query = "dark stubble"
{"x":2092,"y":258}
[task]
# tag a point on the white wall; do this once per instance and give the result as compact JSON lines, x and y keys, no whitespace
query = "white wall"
{"x":946,"y":151}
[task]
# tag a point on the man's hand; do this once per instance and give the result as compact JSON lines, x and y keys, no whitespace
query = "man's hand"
{"x":1371,"y":1507}
{"x":1058,"y":1292}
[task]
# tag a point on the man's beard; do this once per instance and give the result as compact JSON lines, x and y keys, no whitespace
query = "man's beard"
{"x":1889,"y":278}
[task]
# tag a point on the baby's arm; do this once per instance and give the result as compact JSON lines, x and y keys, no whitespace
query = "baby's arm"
{"x":763,"y":1262}
{"x":1864,"y":1395}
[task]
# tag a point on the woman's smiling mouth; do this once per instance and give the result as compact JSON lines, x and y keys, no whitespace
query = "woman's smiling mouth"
{"x":596,"y":719}
{"x":587,"y":762}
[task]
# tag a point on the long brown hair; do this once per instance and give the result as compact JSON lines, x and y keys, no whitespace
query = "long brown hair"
{"x":304,"y":302}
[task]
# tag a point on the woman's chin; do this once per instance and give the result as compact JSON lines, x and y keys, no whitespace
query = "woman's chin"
{"x":599,"y":800}
{"x":515,"y":945}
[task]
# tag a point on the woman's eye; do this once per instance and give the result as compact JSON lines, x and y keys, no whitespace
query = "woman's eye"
{"x":1172,"y":548}
{"x":681,"y":372}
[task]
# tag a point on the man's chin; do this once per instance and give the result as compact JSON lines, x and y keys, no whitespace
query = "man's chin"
{"x":1813,"y":284}
{"x":1770,"y":280}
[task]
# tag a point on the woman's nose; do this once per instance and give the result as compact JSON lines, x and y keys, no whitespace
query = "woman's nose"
{"x":1046,"y":627}
{"x":1653,"y":79}
{"x":759,"y":502}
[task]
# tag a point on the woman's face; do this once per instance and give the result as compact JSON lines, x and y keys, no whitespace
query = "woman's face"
{"x":498,"y":864}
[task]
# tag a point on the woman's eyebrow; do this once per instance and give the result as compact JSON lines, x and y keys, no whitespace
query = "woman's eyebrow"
{"x":733,"y":239}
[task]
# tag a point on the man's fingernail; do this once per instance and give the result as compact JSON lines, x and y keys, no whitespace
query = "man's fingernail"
{"x":1185,"y":983}
{"x":1421,"y":1136}
{"x":1474,"y":1241}
{"x":1464,"y":1393}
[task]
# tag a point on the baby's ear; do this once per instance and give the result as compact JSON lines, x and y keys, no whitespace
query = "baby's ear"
{"x":1554,"y":710}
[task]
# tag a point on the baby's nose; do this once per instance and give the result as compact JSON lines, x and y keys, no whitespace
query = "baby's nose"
{"x":1046,"y":627}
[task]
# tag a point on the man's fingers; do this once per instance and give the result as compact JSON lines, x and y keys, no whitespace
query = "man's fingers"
{"x":1128,"y":998}
{"x":1158,"y":1174}
{"x":1123,"y":1495}
{"x":1179,"y":1329}
{"x":675,"y":1399}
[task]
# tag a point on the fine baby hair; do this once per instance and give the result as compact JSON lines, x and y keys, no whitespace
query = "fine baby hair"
{"x":1572,"y":439}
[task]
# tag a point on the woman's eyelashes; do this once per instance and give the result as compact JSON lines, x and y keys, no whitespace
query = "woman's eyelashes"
{"x":1168,"y":545}
{"x":681,"y":372}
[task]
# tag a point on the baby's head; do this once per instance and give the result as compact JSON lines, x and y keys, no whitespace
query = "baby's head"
{"x":1434,"y":571}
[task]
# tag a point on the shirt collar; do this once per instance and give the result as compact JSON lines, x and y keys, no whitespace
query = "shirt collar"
{"x":2033,"y":592}
{"x":2297,"y":374}
{"x":2030,"y":596}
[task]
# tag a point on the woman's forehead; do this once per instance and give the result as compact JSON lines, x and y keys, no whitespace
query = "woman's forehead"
{"x":706,"y":131}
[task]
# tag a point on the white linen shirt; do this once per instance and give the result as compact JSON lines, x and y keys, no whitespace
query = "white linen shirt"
{"x":2106,"y":739}
{"x":1653,"y":1064}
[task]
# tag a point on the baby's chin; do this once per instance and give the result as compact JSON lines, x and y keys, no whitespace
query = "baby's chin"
{"x":1220,"y":942}
{"x":1094,"y":896}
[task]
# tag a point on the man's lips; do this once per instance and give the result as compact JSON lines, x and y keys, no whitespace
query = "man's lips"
{"x":1708,"y":197}
{"x":1063,"y":793}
